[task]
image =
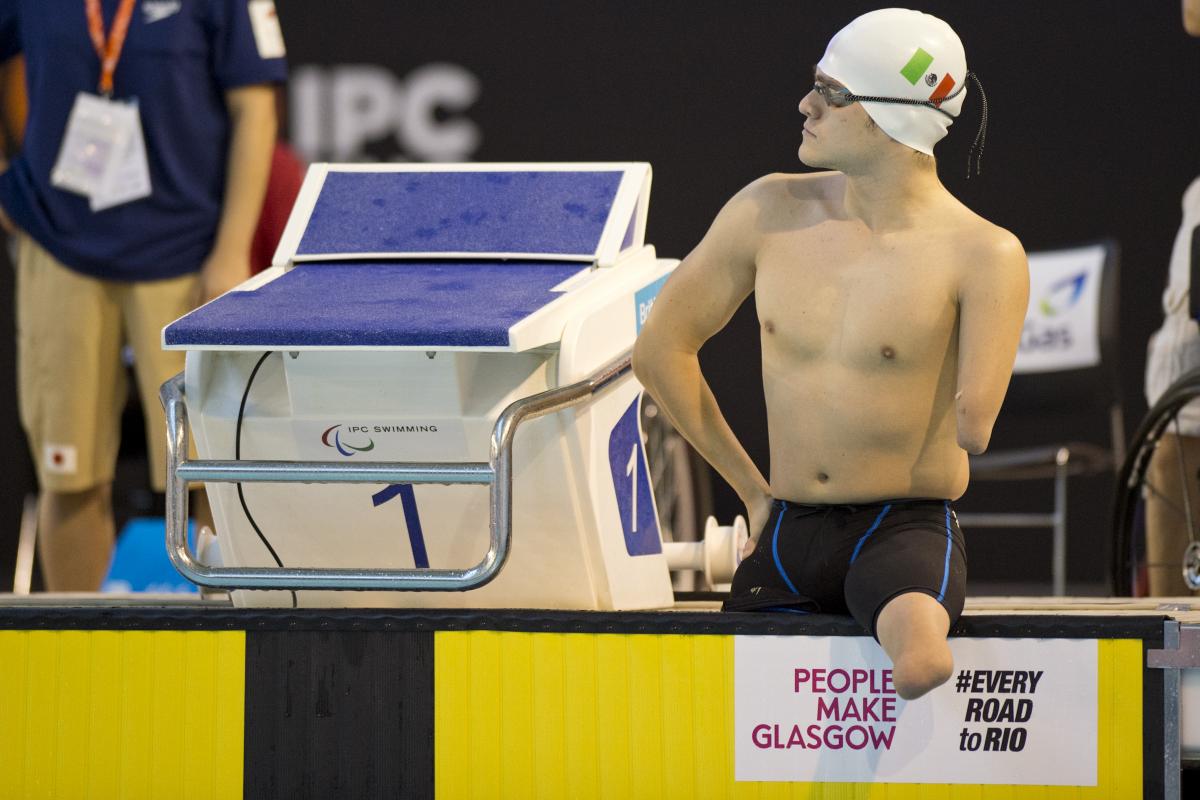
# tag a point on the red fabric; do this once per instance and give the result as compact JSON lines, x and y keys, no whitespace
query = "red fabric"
{"x":287,"y":174}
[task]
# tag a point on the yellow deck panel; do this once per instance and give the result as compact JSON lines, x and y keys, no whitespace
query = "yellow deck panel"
{"x":557,"y":715}
{"x":122,"y":715}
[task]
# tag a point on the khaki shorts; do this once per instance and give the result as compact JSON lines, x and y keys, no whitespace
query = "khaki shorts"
{"x":71,"y":380}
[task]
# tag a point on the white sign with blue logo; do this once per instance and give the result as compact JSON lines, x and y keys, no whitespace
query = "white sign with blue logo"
{"x":631,"y":483}
{"x":643,"y":300}
{"x":1062,"y":324}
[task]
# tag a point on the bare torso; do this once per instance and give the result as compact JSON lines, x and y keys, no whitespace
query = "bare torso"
{"x":859,"y":348}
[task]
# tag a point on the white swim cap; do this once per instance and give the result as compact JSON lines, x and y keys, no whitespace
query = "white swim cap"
{"x":899,"y":53}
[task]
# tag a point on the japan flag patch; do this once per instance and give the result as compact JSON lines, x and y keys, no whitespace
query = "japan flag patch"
{"x":60,"y":459}
{"x":268,"y":36}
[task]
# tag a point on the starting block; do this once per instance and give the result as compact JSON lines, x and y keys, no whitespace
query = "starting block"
{"x":425,"y":328}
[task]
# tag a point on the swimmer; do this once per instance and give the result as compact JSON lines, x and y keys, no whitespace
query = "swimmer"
{"x":889,"y":320}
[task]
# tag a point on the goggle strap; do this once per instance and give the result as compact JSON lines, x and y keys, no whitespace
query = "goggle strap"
{"x":908,"y":101}
{"x":976,"y":150}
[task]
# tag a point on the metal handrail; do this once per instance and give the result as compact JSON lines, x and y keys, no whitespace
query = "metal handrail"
{"x":496,"y":474}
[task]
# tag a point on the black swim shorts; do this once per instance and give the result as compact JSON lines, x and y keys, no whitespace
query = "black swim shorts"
{"x":838,"y":559}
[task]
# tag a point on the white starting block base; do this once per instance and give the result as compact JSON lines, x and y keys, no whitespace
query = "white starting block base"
{"x":570,"y":551}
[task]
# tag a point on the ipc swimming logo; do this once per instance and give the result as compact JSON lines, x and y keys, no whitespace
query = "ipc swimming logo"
{"x":1062,"y":295}
{"x":346,"y":449}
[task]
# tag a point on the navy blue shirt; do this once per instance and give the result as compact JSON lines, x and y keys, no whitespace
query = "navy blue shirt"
{"x":179,"y":59}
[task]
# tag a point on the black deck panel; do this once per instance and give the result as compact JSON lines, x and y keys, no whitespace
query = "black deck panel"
{"x":1148,"y":627}
{"x":338,"y":714}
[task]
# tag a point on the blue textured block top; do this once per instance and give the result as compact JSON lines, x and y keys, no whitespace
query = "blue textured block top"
{"x":552,"y":213}
{"x":373,"y":304}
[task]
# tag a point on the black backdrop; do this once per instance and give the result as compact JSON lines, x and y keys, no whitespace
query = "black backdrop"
{"x":1094,"y":125}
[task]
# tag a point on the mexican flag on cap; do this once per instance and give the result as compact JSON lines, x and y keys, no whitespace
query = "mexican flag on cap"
{"x":915,"y":69}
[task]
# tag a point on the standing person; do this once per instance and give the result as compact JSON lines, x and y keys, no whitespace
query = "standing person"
{"x":1173,"y":350}
{"x":134,"y":197}
{"x":889,"y":318}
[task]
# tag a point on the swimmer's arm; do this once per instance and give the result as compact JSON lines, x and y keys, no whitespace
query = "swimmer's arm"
{"x":992,"y":299}
{"x":697,"y":301}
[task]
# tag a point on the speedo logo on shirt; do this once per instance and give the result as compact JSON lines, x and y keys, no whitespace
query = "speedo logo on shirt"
{"x":157,"y":10}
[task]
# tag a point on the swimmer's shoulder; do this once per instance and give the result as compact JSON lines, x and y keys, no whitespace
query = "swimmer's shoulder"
{"x":984,"y":241}
{"x":771,"y":203}
{"x":793,"y":195}
{"x":989,"y":253}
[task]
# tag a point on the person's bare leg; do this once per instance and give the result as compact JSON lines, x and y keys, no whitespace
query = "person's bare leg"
{"x":75,"y":538}
{"x":912,"y":628}
{"x":1167,"y":532}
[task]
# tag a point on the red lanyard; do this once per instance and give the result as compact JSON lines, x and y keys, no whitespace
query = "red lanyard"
{"x":109,"y":51}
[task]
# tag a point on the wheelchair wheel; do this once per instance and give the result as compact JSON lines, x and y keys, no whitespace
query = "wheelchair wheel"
{"x":1132,"y":485}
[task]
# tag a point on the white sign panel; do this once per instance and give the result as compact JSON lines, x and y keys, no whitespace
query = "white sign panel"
{"x":1062,"y":323}
{"x":1016,"y":711}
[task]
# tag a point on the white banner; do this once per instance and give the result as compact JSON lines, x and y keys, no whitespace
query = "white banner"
{"x":1062,"y":323}
{"x":1016,"y":711}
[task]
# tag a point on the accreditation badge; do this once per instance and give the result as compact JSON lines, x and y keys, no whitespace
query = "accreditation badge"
{"x":129,"y":178}
{"x":103,"y":153}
